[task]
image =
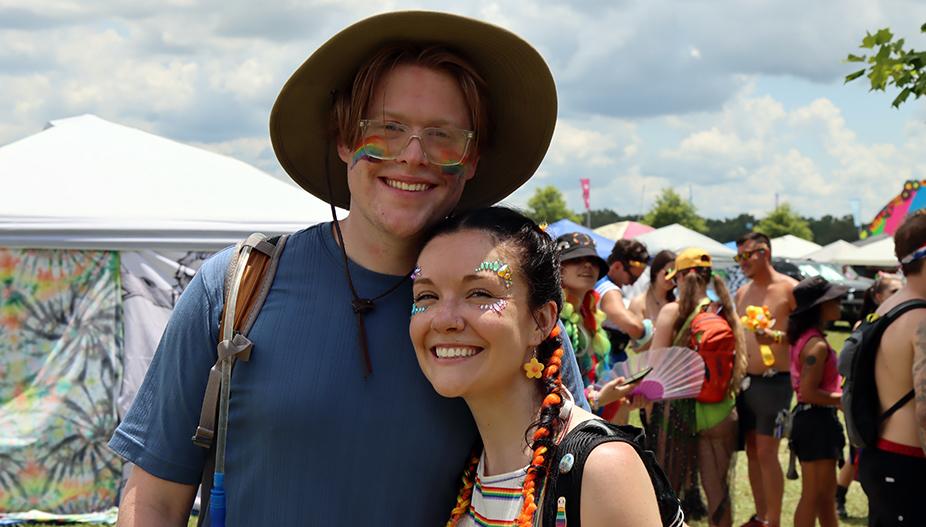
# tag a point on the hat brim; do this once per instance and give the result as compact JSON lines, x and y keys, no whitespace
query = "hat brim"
{"x":671,"y":274}
{"x":522,"y":102}
{"x":586,"y":252}
{"x":833,"y":292}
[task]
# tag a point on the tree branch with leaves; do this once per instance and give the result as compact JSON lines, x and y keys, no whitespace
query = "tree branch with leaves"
{"x":889,"y":64}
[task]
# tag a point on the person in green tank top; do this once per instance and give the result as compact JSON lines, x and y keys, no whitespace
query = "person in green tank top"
{"x":714,"y":424}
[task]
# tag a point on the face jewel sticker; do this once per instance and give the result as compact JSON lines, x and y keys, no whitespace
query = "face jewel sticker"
{"x":496,"y":306}
{"x":502,"y":269}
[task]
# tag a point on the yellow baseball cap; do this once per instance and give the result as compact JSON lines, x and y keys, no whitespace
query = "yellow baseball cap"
{"x":689,"y":258}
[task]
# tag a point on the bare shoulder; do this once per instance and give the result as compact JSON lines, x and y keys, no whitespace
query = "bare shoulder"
{"x":638,"y":305}
{"x":783,"y":281}
{"x":669,"y":312}
{"x":616,"y":488}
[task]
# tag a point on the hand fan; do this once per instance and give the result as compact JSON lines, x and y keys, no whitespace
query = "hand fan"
{"x":678,"y":373}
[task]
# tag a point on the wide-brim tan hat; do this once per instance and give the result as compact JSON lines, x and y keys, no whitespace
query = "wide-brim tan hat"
{"x":522,"y":102}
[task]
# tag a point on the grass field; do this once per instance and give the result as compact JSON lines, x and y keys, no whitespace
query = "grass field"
{"x":743,"y":507}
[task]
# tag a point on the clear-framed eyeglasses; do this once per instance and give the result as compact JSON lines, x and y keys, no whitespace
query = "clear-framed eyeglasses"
{"x":443,"y":145}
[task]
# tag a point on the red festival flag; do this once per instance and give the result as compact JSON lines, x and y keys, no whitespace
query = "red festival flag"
{"x":586,"y":191}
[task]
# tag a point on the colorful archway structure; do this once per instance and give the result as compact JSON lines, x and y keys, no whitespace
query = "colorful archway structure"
{"x":910,"y":199}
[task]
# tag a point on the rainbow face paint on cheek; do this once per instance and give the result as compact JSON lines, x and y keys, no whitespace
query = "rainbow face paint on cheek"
{"x":372,"y":150}
{"x":453,"y":170}
{"x":496,"y":306}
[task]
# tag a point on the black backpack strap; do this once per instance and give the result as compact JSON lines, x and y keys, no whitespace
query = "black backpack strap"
{"x":568,"y":465}
{"x":896,"y":406}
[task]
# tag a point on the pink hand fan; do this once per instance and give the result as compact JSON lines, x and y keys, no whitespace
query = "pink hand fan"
{"x":678,"y":373}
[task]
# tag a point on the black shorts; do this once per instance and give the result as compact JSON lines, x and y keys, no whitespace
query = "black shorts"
{"x":894,"y":484}
{"x":759,"y":404}
{"x":816,"y":434}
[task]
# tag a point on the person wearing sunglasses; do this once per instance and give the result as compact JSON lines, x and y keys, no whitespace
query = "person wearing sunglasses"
{"x":331,"y":421}
{"x":766,"y":390}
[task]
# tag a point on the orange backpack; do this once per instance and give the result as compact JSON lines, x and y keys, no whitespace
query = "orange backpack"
{"x":712,"y":337}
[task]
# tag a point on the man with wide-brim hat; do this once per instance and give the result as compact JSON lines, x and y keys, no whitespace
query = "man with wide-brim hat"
{"x":400,"y":118}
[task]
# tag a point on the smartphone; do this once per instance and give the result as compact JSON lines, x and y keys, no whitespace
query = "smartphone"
{"x":637,"y":377}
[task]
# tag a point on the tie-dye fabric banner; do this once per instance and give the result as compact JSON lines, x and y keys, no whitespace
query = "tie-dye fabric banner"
{"x":60,"y":371}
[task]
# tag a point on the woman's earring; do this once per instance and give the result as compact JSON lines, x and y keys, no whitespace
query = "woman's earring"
{"x":533,"y":369}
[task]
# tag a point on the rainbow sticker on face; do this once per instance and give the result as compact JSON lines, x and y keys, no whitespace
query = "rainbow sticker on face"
{"x":496,"y":306}
{"x":502,"y":269}
{"x":453,"y":170}
{"x":373,"y":150}
{"x":417,"y":310}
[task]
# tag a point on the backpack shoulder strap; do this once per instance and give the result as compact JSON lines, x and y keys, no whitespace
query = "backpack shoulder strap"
{"x":898,"y":310}
{"x":683,"y":331}
{"x":568,"y":465}
{"x":248,"y":279}
{"x":883,"y":322}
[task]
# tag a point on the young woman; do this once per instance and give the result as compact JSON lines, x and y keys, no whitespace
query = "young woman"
{"x":701,"y":434}
{"x":659,"y":293}
{"x":486,"y":302}
{"x":816,"y":434}
{"x":580,"y":268}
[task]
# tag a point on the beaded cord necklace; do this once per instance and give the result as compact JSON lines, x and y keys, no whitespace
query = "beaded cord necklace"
{"x":540,"y":459}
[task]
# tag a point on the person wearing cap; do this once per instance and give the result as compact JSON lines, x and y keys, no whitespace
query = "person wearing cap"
{"x":767,"y":389}
{"x":816,"y":433}
{"x":626,"y":268}
{"x":692,"y":436}
{"x":893,"y":473}
{"x":402,"y":118}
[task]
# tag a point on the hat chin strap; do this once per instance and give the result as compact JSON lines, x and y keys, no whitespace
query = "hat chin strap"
{"x":360,"y":306}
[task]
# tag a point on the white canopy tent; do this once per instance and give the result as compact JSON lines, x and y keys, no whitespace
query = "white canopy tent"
{"x":675,"y":237}
{"x":81,"y":325}
{"x":87,"y":183}
{"x":790,"y":246}
{"x":835,"y":252}
{"x":877,"y":253}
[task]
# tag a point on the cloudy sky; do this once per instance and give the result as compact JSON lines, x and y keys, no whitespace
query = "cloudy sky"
{"x":728,"y":101}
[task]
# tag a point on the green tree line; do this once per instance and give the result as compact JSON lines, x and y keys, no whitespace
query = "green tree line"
{"x":548,"y":205}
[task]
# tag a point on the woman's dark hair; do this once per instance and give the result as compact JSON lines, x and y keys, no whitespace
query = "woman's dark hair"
{"x":538,"y":261}
{"x":800,"y":322}
{"x":878,"y":287}
{"x":660,"y":261}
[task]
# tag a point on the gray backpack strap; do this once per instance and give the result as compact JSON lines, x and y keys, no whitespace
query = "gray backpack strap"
{"x":263,"y":255}
{"x":238,"y":345}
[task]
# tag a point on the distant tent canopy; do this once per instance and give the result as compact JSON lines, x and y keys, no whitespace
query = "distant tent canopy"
{"x":892,"y":215}
{"x":602,"y":245}
{"x":623,"y":230}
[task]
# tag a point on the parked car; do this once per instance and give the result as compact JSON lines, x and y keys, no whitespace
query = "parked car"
{"x":851,"y":303}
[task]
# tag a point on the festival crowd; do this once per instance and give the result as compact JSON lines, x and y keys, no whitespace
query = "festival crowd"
{"x":432,"y":359}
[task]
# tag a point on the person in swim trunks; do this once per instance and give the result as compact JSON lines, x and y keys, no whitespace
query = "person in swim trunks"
{"x":766,"y":390}
{"x":893,"y":472}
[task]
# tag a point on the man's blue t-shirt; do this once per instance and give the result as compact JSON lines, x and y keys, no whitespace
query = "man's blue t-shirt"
{"x":310,"y":440}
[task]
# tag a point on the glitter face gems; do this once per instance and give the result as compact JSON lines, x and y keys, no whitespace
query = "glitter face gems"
{"x":373,"y":149}
{"x":502,"y":269}
{"x":416,"y":309}
{"x":496,"y":306}
{"x":415,"y":274}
